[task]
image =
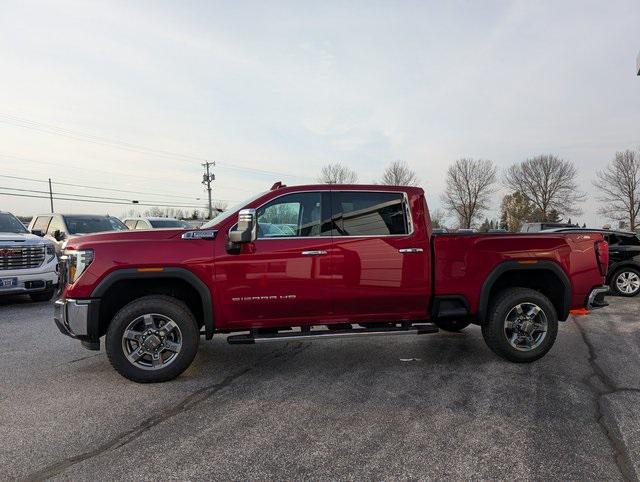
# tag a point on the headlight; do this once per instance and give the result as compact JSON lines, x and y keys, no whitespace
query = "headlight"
{"x":51,"y":252}
{"x":77,"y":262}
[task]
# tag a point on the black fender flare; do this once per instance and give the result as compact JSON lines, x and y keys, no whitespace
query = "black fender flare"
{"x":506,"y":266}
{"x":172,"y":272}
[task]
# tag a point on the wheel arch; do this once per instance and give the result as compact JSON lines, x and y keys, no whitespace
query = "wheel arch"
{"x":615,"y":267}
{"x":544,"y":276}
{"x":124,"y":284}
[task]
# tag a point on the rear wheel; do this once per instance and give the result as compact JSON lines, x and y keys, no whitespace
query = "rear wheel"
{"x":626,"y":282}
{"x":451,"y":325}
{"x":521,"y":325}
{"x":152,"y":339}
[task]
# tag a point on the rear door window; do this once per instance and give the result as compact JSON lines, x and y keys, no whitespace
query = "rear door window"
{"x":363,"y":213}
{"x":130,"y":223}
{"x":629,"y":240}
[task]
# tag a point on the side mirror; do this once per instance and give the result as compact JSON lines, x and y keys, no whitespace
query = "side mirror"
{"x":58,"y":235}
{"x":247,"y":229}
{"x":37,"y":232}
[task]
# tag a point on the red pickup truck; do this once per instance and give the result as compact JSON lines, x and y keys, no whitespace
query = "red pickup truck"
{"x":320,"y":261}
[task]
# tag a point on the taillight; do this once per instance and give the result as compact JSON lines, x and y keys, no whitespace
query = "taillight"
{"x":602,"y":255}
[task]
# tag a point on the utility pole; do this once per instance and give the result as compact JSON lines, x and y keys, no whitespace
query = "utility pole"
{"x":50,"y":195}
{"x":207,"y":177}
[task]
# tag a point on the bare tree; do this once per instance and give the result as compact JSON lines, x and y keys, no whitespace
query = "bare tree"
{"x":619,"y":185}
{"x":548,"y":182}
{"x":438,"y":217}
{"x":470,"y":184}
{"x":336,"y":173}
{"x":398,"y":173}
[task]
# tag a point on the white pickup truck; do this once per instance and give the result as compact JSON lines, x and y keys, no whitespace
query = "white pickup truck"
{"x":28,"y":263}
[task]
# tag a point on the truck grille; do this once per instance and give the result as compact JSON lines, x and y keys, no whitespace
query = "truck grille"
{"x":22,"y":257}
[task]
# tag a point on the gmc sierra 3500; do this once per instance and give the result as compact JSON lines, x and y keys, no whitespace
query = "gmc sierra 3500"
{"x":320,"y":261}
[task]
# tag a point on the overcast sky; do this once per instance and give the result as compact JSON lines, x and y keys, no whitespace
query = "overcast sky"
{"x":287,"y":87}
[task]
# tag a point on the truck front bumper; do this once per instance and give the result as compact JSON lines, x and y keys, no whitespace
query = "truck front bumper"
{"x":79,"y":319}
{"x":596,"y":298}
{"x":31,"y":282}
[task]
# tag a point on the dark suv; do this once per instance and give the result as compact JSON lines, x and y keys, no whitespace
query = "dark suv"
{"x":624,"y":260}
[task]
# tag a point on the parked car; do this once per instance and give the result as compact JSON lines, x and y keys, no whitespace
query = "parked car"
{"x":361,"y":260}
{"x":624,"y":260}
{"x":62,"y":227}
{"x":28,"y":263}
{"x":154,"y":223}
{"x":535,"y":227}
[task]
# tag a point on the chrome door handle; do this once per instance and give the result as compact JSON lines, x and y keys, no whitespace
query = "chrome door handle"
{"x":410,"y":250}
{"x":318,"y":252}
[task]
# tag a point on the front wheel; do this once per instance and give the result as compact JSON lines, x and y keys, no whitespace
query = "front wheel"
{"x":521,"y":325}
{"x":152,"y":339}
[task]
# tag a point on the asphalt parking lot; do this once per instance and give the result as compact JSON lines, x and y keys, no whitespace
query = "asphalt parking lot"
{"x":429,"y":406}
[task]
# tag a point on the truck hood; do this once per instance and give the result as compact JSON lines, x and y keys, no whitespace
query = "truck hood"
{"x":23,"y":239}
{"x":123,"y":236}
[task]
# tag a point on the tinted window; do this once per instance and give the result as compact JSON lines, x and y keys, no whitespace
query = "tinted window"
{"x":630,"y":240}
{"x":168,"y":223}
{"x":93,"y":224}
{"x":292,"y":215}
{"x":42,"y":222}
{"x":361,"y":213}
{"x":10,"y":224}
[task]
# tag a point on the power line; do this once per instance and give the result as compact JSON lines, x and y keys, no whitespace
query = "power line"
{"x":146,"y":177}
{"x":104,"y":188}
{"x":83,"y":196}
{"x":95,"y":201}
{"x":89,"y":196}
{"x":91,"y":138}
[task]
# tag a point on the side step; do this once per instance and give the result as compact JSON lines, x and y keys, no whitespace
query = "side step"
{"x":417,"y":329}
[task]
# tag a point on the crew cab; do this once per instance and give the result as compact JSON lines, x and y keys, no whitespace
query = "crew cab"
{"x":320,"y":261}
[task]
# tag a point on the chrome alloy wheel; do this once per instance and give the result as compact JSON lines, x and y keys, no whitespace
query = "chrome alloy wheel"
{"x":152,"y":341}
{"x":628,"y":282}
{"x":525,"y":326}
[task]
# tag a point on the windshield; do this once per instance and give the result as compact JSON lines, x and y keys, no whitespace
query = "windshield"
{"x":168,"y":223}
{"x":230,"y":212}
{"x":10,"y":224}
{"x":93,"y":224}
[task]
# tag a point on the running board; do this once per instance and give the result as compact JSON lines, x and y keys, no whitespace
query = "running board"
{"x":421,"y":329}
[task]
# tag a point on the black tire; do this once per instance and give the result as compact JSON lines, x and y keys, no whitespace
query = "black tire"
{"x":41,"y":296}
{"x":626,"y":270}
{"x":452,"y":325}
{"x":165,"y":306}
{"x":493,"y":330}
